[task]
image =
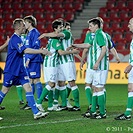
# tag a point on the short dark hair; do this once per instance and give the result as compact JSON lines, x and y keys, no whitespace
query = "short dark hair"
{"x":67,"y":24}
{"x":31,"y":19}
{"x":95,"y":22}
{"x":56,"y":23}
{"x":17,"y":22}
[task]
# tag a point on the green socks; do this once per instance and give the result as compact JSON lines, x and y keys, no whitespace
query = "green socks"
{"x":75,"y":93}
{"x":129,"y":104}
{"x":101,"y":102}
{"x":50,"y":98}
{"x":45,"y":92}
{"x":63,"y":94}
{"x":94,"y":102}
{"x":88,"y":94}
{"x":19,"y":91}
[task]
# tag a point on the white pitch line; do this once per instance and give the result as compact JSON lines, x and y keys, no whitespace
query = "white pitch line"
{"x":40,"y":123}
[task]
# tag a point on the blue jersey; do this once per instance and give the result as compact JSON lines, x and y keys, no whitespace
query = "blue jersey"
{"x":33,"y":42}
{"x":14,"y":61}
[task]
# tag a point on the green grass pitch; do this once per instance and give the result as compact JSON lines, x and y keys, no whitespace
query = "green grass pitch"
{"x":21,"y":121}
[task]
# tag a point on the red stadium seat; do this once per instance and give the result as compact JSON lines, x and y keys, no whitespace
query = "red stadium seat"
{"x":49,"y":16}
{"x":57,"y":6}
{"x":103,"y":15}
{"x":110,"y":5}
{"x":103,"y":10}
{"x":117,"y":37}
{"x":121,"y":5}
{"x":69,"y":16}
{"x":128,"y":36}
{"x":7,"y":6}
{"x":67,"y":6}
{"x":39,"y":16}
{"x":58,"y":15}
{"x":37,"y":6}
{"x":130,"y":4}
{"x":27,"y":6}
{"x":113,"y":15}
{"x":47,"y":6}
{"x":78,"y":6}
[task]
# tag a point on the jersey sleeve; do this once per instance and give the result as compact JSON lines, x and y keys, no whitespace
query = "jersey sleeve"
{"x":101,"y":40}
{"x":34,"y":43}
{"x":17,"y":44}
{"x":67,"y":34}
{"x":88,"y":39}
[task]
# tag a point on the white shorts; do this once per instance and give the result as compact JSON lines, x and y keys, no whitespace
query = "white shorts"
{"x":130,"y":76}
{"x":100,"y":77}
{"x":67,"y":72}
{"x":89,"y":76}
{"x":50,"y":74}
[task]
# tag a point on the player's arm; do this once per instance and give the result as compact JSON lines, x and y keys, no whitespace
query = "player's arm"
{"x":82,"y":45}
{"x":74,"y":51}
{"x":78,"y":56}
{"x":102,"y":54}
{"x":84,"y":54}
{"x":37,"y":51}
{"x":52,"y":34}
{"x":5,"y":44}
{"x":114,"y":52}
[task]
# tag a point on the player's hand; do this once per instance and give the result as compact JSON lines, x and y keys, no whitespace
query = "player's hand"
{"x":95,"y":67}
{"x":128,"y":69}
{"x":27,"y":63}
{"x":46,"y":52}
{"x":7,"y":40}
{"x":69,"y":48}
{"x":118,"y":60}
{"x":75,"y":51}
{"x":81,"y":65}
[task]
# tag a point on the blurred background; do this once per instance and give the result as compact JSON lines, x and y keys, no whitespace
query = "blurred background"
{"x":115,"y":13}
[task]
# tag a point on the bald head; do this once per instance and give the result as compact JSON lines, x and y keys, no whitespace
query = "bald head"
{"x":130,"y":25}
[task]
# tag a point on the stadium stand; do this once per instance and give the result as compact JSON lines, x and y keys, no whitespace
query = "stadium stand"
{"x":116,"y":14}
{"x":45,"y":12}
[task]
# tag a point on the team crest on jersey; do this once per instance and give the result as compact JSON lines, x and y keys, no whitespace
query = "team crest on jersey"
{"x":27,"y":42}
{"x":20,"y":45}
{"x":57,"y":44}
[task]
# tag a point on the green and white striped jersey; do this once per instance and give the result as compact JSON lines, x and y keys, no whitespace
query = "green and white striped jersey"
{"x":65,"y":43}
{"x":100,"y":40}
{"x":110,"y":44}
{"x":131,"y":53}
{"x":53,"y":46}
{"x":89,"y":39}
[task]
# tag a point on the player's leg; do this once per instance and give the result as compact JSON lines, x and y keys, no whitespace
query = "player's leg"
{"x":127,"y":114}
{"x":20,"y":94}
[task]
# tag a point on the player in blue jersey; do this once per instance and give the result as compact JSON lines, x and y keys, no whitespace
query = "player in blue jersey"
{"x":2,"y":47}
{"x":33,"y":62}
{"x":15,"y":72}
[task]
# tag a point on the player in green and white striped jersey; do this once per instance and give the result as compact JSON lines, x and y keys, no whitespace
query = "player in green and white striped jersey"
{"x":129,"y":70}
{"x":51,"y":64}
{"x":100,"y":63}
{"x":67,"y":70}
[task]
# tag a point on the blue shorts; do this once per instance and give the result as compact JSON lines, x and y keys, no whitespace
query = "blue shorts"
{"x":34,"y":70}
{"x":10,"y":79}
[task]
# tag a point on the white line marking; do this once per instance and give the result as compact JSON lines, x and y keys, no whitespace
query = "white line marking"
{"x":40,"y":123}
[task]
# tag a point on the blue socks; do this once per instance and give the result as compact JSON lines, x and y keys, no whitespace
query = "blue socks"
{"x":31,"y":102}
{"x":2,"y":95}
